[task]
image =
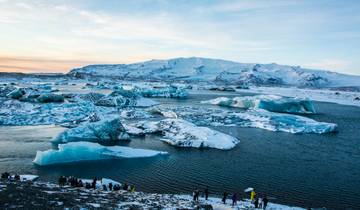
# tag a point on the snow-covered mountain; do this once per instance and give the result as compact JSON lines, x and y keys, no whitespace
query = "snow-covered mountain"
{"x":196,"y":69}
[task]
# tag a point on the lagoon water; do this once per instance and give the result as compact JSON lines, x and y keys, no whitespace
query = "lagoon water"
{"x":296,"y":169}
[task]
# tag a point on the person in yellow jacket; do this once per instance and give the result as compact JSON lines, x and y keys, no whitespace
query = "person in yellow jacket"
{"x":133,"y":189}
{"x":252,"y":195}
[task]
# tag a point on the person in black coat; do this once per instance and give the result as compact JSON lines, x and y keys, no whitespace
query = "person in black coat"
{"x":224,"y":197}
{"x":206,"y":193}
{"x":256,"y":203}
{"x":265,"y":201}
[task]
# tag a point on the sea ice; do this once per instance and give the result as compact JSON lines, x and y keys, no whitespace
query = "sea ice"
{"x":272,"y":103}
{"x":181,"y":133}
{"x":86,"y":151}
{"x":100,"y":131}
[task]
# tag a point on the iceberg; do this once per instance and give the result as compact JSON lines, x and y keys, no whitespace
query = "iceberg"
{"x":134,"y":114}
{"x":100,"y":131}
{"x":132,"y":130}
{"x":118,"y":101}
{"x":30,"y":94}
{"x":271,"y":103}
{"x":90,"y":97}
{"x":17,"y":93}
{"x":165,"y":113}
{"x":180,"y":133}
{"x":286,"y":122}
{"x":5,"y":90}
{"x":162,"y":92}
{"x":86,"y":151}
{"x":50,"y":98}
{"x":254,"y":118}
{"x":119,"y":98}
{"x":14,"y":112}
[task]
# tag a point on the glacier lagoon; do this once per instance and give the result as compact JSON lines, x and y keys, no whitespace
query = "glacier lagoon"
{"x":289,"y":167}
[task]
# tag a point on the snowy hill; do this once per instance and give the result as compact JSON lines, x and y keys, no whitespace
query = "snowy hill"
{"x":196,"y":69}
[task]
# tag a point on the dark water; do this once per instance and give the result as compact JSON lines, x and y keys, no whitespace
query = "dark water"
{"x":303,"y":170}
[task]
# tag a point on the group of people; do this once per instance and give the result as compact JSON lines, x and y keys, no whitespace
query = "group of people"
{"x":6,"y":175}
{"x":196,"y":194}
{"x":75,"y":182}
{"x":259,"y":202}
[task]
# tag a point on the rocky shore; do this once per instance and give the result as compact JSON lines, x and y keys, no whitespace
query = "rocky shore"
{"x":44,"y":195}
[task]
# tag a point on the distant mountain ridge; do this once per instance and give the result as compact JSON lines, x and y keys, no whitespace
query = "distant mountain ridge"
{"x":195,"y":69}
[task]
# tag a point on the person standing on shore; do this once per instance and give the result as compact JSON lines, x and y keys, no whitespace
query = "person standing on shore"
{"x":256,"y":203}
{"x":126,"y":186}
{"x":260,"y":202}
{"x":252,"y":195}
{"x":206,"y":193}
{"x":265,"y":202}
{"x":132,"y":189}
{"x":234,"y":199}
{"x":93,"y":184}
{"x":224,"y":197}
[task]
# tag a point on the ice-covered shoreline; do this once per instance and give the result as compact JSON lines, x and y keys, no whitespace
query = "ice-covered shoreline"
{"x":49,"y":195}
{"x":323,"y":95}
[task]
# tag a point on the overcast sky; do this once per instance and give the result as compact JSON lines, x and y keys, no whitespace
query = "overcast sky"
{"x":55,"y":36}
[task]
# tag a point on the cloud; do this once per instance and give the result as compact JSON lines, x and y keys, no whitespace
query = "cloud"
{"x":256,"y":31}
{"x":36,"y":64}
{"x":238,"y":6}
{"x":331,"y":64}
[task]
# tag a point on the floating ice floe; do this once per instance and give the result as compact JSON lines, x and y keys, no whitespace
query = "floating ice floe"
{"x":90,"y":97}
{"x":162,"y":92}
{"x":49,"y":98}
{"x":285,"y":122}
{"x":5,"y":90}
{"x":134,"y":114}
{"x":272,"y":103}
{"x":255,"y":118}
{"x":101,"y":131}
{"x":33,"y":95}
{"x":119,"y":98}
{"x":14,"y":112}
{"x":132,"y":130}
{"x":86,"y":151}
{"x":163,"y":112}
{"x":17,"y":93}
{"x":181,"y":133}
